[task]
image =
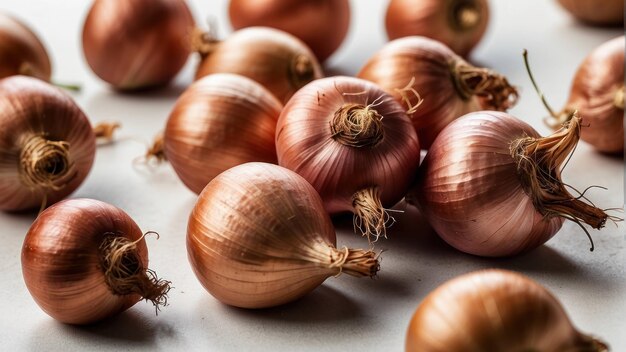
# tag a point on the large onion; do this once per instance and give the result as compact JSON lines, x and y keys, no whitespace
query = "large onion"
{"x":321,"y":24}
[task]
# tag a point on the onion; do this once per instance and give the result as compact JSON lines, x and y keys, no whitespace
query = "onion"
{"x":594,"y":12}
{"x":449,"y":86}
{"x":84,"y":260}
{"x":491,"y":186}
{"x":47,"y":145}
{"x":353,"y":143}
{"x":598,"y":95}
{"x":221,"y":121}
{"x":321,"y":24}
{"x":275,"y":59}
{"x":135,"y":44}
{"x":258,"y":237}
{"x":496,"y":311}
{"x":21,"y":52}
{"x":459,"y":24}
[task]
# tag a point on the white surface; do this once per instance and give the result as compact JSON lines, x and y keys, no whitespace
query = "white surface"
{"x":344,"y":313}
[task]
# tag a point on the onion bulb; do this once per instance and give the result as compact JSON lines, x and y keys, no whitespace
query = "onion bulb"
{"x":496,"y":311}
{"x":84,"y":260}
{"x":277,"y":60}
{"x":354,"y":143}
{"x":321,"y":24}
{"x":491,"y":186}
{"x":135,"y":44}
{"x":450,"y":86}
{"x":259,"y":237}
{"x":597,"y":94}
{"x":47,"y":145}
{"x":21,"y":52}
{"x":459,"y":24}
{"x":220,"y":121}
{"x":594,"y":12}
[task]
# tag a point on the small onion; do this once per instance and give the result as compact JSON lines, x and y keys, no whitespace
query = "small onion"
{"x":221,"y":121}
{"x":496,"y":311}
{"x":47,"y":145}
{"x":84,"y":260}
{"x":321,"y":24}
{"x":277,"y":60}
{"x":450,"y":86}
{"x":354,"y":143}
{"x":598,"y":95}
{"x":594,"y":12}
{"x":135,"y":44}
{"x":459,"y":24}
{"x":491,"y":186}
{"x":21,"y":52}
{"x":259,"y":237}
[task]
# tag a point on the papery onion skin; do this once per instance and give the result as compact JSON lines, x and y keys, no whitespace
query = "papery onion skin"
{"x":137,"y":44}
{"x":31,"y":108}
{"x":259,"y":237}
{"x":597,"y":84}
{"x":496,"y":311}
{"x":437,"y":72}
{"x":459,"y":24}
{"x":62,"y":264}
{"x":305,"y":143}
{"x":21,"y":52}
{"x":321,"y":24}
{"x":598,"y":13}
{"x":220,"y":121}
{"x":471,"y":190}
{"x":275,"y":59}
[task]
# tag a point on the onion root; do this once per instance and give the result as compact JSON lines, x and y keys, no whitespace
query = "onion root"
{"x":355,"y":262}
{"x":357,"y":126}
{"x":45,"y":164}
{"x":370,"y":217}
{"x":493,"y":87}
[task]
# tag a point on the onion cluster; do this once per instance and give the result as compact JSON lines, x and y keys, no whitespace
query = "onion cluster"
{"x":137,"y":44}
{"x":47,"y":145}
{"x":496,"y":311}
{"x":320,"y":24}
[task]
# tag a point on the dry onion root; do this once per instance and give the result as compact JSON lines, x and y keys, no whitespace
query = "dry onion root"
{"x":277,"y":60}
{"x":321,"y":24}
{"x":354,"y":143}
{"x":491,"y":186}
{"x":597,"y":94}
{"x":496,"y":311}
{"x":84,"y":260}
{"x":47,"y":145}
{"x":137,"y":44}
{"x":459,"y":24}
{"x":220,"y":121}
{"x":259,"y":237}
{"x":448,"y":85}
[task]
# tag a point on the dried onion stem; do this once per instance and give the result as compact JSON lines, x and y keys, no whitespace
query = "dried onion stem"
{"x":538,"y":164}
{"x":372,"y":219}
{"x":124,"y":273}
{"x":493,"y":87}
{"x":357,"y":126}
{"x":105,"y":130}
{"x":355,"y":262}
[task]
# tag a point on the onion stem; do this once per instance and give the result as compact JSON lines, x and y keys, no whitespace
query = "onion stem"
{"x":105,"y":130}
{"x":355,"y":262}
{"x":472,"y":81}
{"x":465,"y":15}
{"x":357,"y":126}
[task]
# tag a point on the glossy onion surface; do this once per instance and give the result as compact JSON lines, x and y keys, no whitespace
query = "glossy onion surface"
{"x":134,"y":44}
{"x":598,"y":95}
{"x":62,"y":261}
{"x":594,"y":12}
{"x":496,"y":311}
{"x":21,"y":52}
{"x":259,"y":237}
{"x":459,"y":24}
{"x":321,"y":24}
{"x":221,"y":121}
{"x":470,"y":191}
{"x":32,"y":110}
{"x":277,"y":60}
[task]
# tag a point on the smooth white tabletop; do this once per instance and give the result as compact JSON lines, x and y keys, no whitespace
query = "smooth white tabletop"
{"x":345,"y":313}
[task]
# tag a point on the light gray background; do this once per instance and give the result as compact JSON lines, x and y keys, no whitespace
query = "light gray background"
{"x":344,"y":313}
